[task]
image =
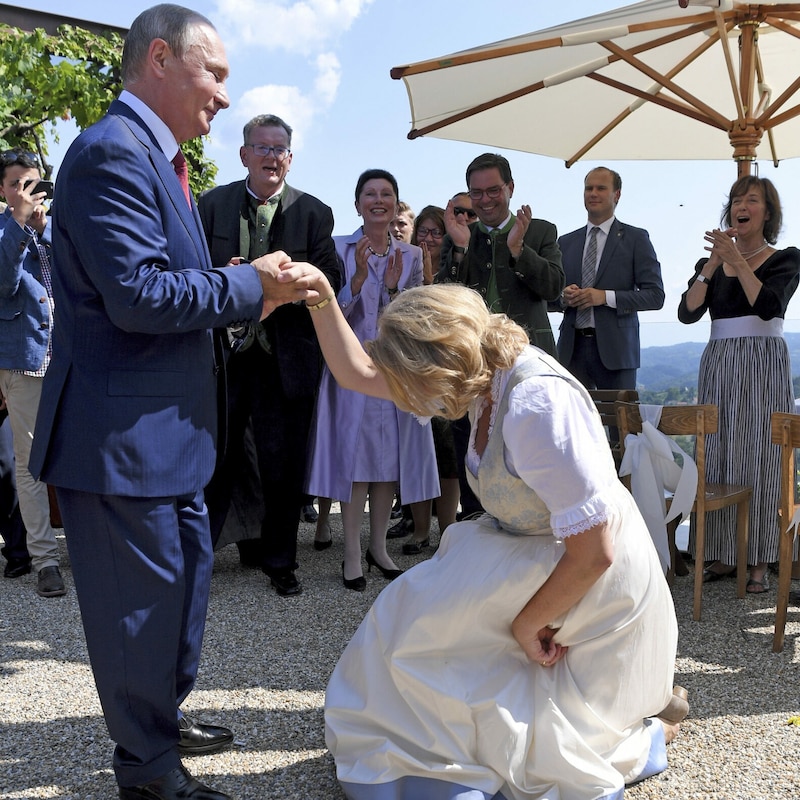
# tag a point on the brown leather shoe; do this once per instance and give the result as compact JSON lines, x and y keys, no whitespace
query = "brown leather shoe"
{"x":677,"y":708}
{"x":177,"y":784}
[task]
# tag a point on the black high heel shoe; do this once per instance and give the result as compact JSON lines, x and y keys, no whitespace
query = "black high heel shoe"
{"x":323,"y":544}
{"x":389,"y":574}
{"x":356,"y":584}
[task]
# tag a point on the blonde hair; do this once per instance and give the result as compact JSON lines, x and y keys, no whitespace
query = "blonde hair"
{"x":438,"y":348}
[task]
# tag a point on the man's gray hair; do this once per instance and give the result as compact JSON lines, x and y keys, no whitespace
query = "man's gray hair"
{"x":174,"y":24}
{"x":266,"y":121}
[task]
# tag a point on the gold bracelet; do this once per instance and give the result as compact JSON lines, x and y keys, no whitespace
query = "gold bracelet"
{"x":321,"y":304}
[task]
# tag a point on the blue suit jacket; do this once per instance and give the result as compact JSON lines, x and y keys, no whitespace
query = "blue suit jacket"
{"x":629,"y":267}
{"x":25,"y":319}
{"x":129,"y":402}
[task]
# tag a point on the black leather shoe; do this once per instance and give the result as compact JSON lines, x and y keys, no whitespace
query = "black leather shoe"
{"x":50,"y":583}
{"x":285,"y":583}
{"x":198,"y":739}
{"x":309,"y":514}
{"x":17,"y":568}
{"x":177,"y":784}
{"x":415,"y":548}
{"x":401,"y":529}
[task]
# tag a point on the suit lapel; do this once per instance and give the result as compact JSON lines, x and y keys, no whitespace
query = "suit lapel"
{"x":166,"y":173}
{"x":615,"y":233}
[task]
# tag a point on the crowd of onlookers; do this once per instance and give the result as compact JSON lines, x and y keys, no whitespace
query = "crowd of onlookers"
{"x":164,"y":391}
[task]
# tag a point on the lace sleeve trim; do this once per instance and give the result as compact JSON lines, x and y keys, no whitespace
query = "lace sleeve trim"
{"x":583,"y":525}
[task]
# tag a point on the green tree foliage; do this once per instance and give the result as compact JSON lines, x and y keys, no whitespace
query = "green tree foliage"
{"x":74,"y":75}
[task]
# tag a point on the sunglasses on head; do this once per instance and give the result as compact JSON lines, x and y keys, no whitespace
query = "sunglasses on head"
{"x":12,"y":156}
{"x":468,"y":211}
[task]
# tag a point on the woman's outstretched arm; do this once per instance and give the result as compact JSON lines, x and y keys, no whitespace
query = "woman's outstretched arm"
{"x":344,"y":355}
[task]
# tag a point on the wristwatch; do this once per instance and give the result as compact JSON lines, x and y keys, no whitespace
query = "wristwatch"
{"x":702,"y":279}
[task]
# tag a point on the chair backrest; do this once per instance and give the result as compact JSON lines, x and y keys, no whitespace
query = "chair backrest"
{"x":605,"y":400}
{"x":786,"y":433}
{"x":697,"y":421}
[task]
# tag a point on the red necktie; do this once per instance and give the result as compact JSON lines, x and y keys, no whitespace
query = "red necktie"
{"x":182,"y":171}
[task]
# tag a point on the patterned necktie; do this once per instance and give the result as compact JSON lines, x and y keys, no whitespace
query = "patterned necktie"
{"x":265,"y":213}
{"x":584,"y":316}
{"x":182,"y":171}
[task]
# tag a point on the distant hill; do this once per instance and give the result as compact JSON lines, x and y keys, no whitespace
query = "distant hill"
{"x":676,"y":365}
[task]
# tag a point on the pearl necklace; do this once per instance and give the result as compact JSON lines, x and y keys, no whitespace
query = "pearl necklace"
{"x":388,"y":247}
{"x":751,"y":253}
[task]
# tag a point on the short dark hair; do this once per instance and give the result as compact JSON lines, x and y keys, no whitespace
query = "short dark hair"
{"x":17,"y":157}
{"x":616,"y":180}
{"x":174,"y":24}
{"x":375,"y":174}
{"x":266,"y":121}
{"x":490,"y":161}
{"x":435,"y":213}
{"x":772,"y":224}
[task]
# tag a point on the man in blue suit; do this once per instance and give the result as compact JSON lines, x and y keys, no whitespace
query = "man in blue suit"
{"x":127,"y":426}
{"x":599,"y":335}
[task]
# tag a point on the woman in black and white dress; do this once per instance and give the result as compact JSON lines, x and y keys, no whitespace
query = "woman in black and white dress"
{"x":745,"y":285}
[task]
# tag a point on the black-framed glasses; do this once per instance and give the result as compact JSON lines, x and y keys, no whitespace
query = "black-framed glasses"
{"x":493,"y":192}
{"x":423,"y":233}
{"x":264,"y":150}
{"x":10,"y":157}
{"x":458,"y":210}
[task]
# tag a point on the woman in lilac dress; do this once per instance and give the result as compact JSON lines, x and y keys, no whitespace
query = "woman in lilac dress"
{"x":363,"y":446}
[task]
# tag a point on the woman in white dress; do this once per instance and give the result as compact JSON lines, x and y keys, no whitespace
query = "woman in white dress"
{"x":529,"y":657}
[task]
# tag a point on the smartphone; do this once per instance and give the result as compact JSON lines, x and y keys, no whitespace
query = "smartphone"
{"x":42,"y":186}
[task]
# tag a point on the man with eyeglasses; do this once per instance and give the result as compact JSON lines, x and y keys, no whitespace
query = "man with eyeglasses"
{"x":26,"y":311}
{"x":513,"y":260}
{"x":274,"y":371}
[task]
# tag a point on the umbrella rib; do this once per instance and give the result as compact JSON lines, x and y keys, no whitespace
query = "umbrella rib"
{"x":622,"y":116}
{"x":672,"y":105}
{"x":726,"y":51}
{"x":693,"y":101}
{"x":785,"y":117}
{"x":489,"y":53}
{"x":415,"y":133}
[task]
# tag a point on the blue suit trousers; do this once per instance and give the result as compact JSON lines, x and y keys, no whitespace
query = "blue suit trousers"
{"x":142,"y":570}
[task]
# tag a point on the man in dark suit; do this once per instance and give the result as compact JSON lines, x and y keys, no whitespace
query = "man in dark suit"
{"x":127,"y":426}
{"x":513,"y":260}
{"x":599,"y":335}
{"x":274,"y":372}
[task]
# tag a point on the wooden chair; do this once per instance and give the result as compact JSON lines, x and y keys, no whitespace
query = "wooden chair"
{"x":605,"y":400}
{"x":698,"y":421}
{"x":786,"y":433}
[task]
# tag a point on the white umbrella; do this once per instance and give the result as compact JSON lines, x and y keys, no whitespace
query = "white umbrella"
{"x":661,"y":79}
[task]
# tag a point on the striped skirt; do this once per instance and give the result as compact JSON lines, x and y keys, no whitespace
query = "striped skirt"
{"x":747,"y":378}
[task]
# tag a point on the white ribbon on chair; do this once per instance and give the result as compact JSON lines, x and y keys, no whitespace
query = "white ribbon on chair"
{"x":650,"y":461}
{"x":794,"y":522}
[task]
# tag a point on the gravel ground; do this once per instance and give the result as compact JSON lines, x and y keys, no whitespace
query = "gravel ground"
{"x":267,"y":659}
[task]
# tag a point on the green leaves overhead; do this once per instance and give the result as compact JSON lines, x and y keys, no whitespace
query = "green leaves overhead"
{"x":73,"y":75}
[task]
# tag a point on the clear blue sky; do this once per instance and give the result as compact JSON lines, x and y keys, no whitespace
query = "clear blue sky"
{"x":323,"y":65}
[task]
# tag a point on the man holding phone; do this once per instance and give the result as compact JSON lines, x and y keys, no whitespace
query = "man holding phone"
{"x":26,"y":323}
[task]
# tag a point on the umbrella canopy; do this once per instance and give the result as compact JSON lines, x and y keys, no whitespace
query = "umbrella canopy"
{"x":661,"y":79}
